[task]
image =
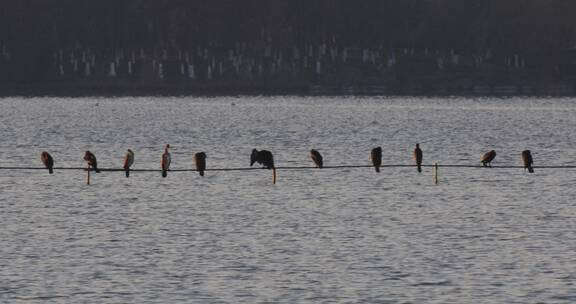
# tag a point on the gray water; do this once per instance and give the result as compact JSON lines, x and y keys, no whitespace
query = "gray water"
{"x":317,"y":236}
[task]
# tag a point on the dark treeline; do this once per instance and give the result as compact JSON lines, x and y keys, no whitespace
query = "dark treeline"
{"x":461,"y":24}
{"x":31,"y":31}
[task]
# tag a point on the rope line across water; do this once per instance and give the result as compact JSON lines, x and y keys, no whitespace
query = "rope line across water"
{"x":288,"y":168}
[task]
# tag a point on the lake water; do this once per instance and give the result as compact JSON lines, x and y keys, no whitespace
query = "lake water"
{"x":317,"y":236}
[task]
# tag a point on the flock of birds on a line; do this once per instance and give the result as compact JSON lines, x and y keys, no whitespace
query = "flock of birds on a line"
{"x":266,"y":159}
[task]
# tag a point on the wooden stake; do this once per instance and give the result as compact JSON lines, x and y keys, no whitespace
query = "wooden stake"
{"x":274,"y":176}
{"x":436,"y":173}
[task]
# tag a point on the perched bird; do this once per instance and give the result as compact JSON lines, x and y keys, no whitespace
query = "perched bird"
{"x":317,"y":158}
{"x":48,"y":161}
{"x":200,"y":161}
{"x":128,"y":161}
{"x":90,"y":158}
{"x":376,"y":157}
{"x":418,"y":157}
{"x":165,"y":162}
{"x":487,"y":158}
{"x":262,"y":157}
{"x":527,"y":160}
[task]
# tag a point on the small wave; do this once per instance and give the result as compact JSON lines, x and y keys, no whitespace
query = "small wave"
{"x":42,"y":298}
{"x":432,"y":283}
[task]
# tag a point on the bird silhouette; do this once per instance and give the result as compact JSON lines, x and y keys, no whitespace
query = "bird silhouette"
{"x":418,"y":157}
{"x":48,"y":161}
{"x":165,"y":162}
{"x":128,"y":161}
{"x":317,"y":158}
{"x":527,"y":160}
{"x":487,"y":158}
{"x":200,"y":161}
{"x":376,"y":157}
{"x":90,"y":158}
{"x":262,"y":157}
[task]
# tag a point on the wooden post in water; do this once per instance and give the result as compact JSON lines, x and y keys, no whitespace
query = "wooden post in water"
{"x":274,"y":176}
{"x":436,"y":173}
{"x":88,"y":175}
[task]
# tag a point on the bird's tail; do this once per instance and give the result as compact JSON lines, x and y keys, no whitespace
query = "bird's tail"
{"x":530,"y":169}
{"x":377,"y":168}
{"x":419,"y":168}
{"x":201,"y":173}
{"x":50,"y":170}
{"x":164,"y":173}
{"x":127,"y":172}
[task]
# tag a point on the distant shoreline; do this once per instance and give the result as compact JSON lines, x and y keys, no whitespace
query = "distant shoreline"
{"x":111,"y":90}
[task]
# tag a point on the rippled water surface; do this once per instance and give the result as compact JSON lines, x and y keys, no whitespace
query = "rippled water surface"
{"x":317,"y":236}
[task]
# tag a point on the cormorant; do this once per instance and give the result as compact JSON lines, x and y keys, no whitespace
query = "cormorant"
{"x":376,"y":157}
{"x":418,"y":157}
{"x":487,"y":158}
{"x":200,"y":161}
{"x":317,"y":158}
{"x":128,"y":161}
{"x":262,"y":157}
{"x":165,"y":162}
{"x":48,"y":161}
{"x":90,"y":158}
{"x":527,"y":160}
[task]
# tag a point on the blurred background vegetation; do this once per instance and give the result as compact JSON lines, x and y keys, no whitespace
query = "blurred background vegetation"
{"x":462,"y":24}
{"x":32,"y":30}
